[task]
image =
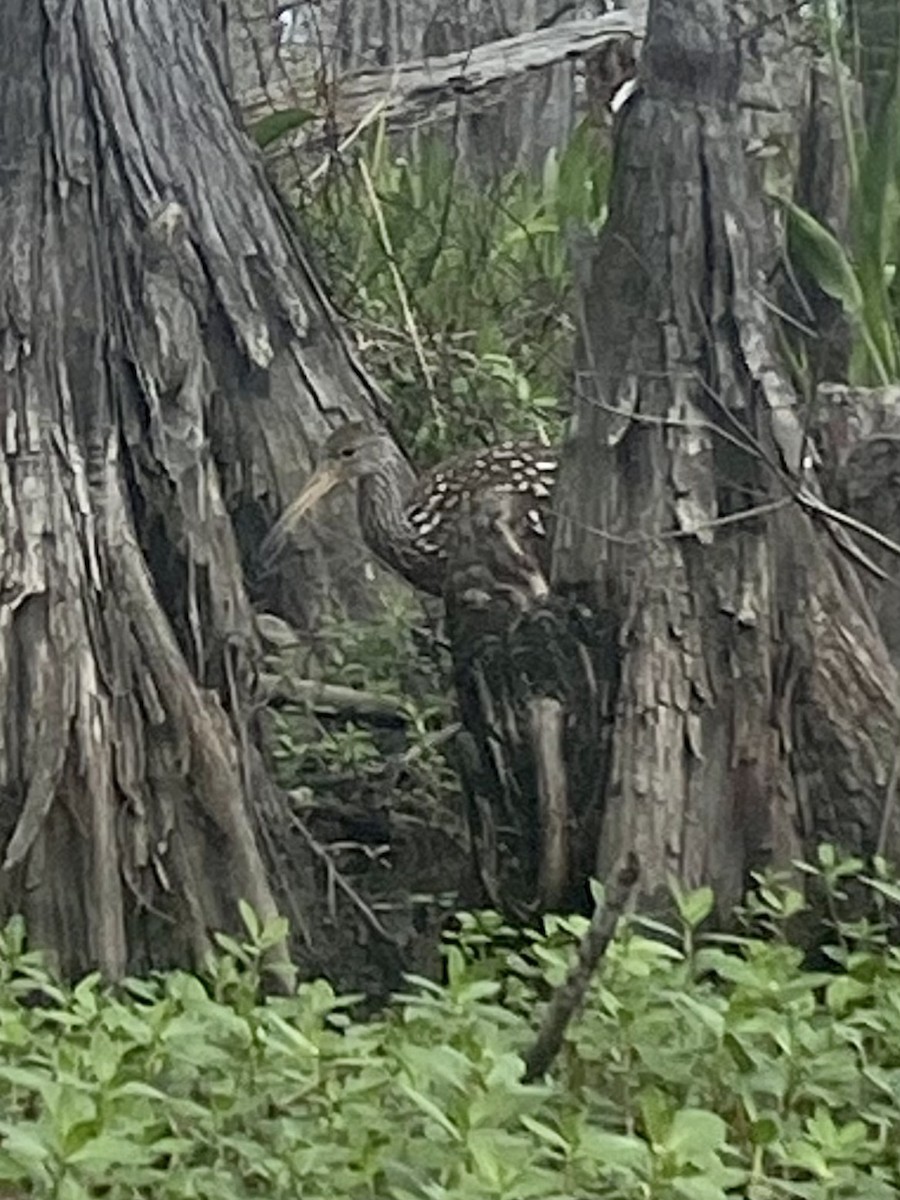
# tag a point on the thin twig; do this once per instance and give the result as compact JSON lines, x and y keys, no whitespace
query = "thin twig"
{"x":367,"y":119}
{"x":814,"y":505}
{"x":399,"y":285}
{"x":337,"y":877}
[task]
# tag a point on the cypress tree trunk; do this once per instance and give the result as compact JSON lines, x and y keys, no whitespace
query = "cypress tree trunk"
{"x":753,"y":709}
{"x":709,"y":684}
{"x":168,"y":363}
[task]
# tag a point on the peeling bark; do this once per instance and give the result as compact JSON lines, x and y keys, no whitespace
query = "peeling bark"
{"x":755,"y":709}
{"x":168,"y":361}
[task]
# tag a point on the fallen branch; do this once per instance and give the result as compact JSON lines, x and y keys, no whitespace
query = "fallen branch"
{"x":422,"y":91}
{"x":332,"y":699}
{"x":569,"y":996}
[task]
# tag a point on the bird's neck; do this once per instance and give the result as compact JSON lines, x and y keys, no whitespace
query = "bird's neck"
{"x":382,"y":502}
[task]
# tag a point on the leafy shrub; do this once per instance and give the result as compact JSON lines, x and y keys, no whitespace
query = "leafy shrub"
{"x":703,"y":1067}
{"x":394,"y":656}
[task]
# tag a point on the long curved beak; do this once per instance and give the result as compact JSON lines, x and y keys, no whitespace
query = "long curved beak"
{"x":323,"y":480}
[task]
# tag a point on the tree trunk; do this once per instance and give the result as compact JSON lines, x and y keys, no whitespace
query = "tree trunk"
{"x":252,"y":38}
{"x":168,"y":363}
{"x":753,"y":707}
{"x":711,"y":684}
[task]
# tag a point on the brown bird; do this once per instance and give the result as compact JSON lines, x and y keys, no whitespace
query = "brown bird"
{"x":501,"y":495}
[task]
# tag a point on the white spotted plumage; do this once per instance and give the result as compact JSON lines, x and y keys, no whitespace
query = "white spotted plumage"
{"x":499,"y":498}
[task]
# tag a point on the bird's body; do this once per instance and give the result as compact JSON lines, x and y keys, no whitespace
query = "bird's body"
{"x":501,"y":493}
{"x":476,"y":531}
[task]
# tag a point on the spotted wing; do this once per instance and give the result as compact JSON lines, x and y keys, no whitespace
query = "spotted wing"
{"x":525,"y":474}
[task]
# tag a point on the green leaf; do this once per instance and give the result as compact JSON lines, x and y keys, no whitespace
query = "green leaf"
{"x":33,"y":1079}
{"x":656,"y":1111}
{"x":274,"y":932}
{"x":615,"y":1150}
{"x":105,"y":1150}
{"x":105,"y":1055}
{"x":276,"y":125}
{"x":70,"y":1188}
{"x":430,"y":1109}
{"x":481,"y":1145}
{"x":809,"y":1157}
{"x":250,"y":919}
{"x":546,"y":1134}
{"x":764,"y":1131}
{"x":694,"y":907}
{"x":695,"y":1187}
{"x":695,"y":1131}
{"x":24,"y":1143}
{"x":293,"y":1035}
{"x":227,"y":943}
{"x":817,"y":250}
{"x":890,"y":891}
{"x":74,"y":1110}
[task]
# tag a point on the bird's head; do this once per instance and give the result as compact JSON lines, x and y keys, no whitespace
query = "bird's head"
{"x":351,"y":452}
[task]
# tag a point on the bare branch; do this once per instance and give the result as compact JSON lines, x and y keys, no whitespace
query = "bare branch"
{"x":569,"y":996}
{"x":427,"y":90}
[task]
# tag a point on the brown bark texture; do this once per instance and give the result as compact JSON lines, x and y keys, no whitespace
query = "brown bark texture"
{"x":168,"y":362}
{"x":753,"y":709}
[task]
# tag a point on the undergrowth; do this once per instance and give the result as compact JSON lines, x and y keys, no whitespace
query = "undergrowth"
{"x":857,"y":267}
{"x":459,"y":290}
{"x":703,"y":1067}
{"x":395,"y":659}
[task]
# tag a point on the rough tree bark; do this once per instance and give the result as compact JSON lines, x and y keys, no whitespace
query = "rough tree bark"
{"x":753,"y":709}
{"x":252,"y":35}
{"x":167,"y":364}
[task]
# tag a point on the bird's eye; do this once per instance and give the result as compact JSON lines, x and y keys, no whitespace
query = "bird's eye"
{"x":348,"y":452}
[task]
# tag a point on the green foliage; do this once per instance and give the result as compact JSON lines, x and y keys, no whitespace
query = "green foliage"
{"x":862,"y":275}
{"x":460,"y":290}
{"x":703,"y":1066}
{"x":396,"y":652}
{"x":394,"y":657}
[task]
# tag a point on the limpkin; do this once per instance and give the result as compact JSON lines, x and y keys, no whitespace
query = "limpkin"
{"x":476,"y":530}
{"x":497,"y":500}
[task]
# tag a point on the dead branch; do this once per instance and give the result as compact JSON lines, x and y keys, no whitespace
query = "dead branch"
{"x":426,"y":90}
{"x":336,"y":878}
{"x":569,"y":996}
{"x":331,"y":698}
